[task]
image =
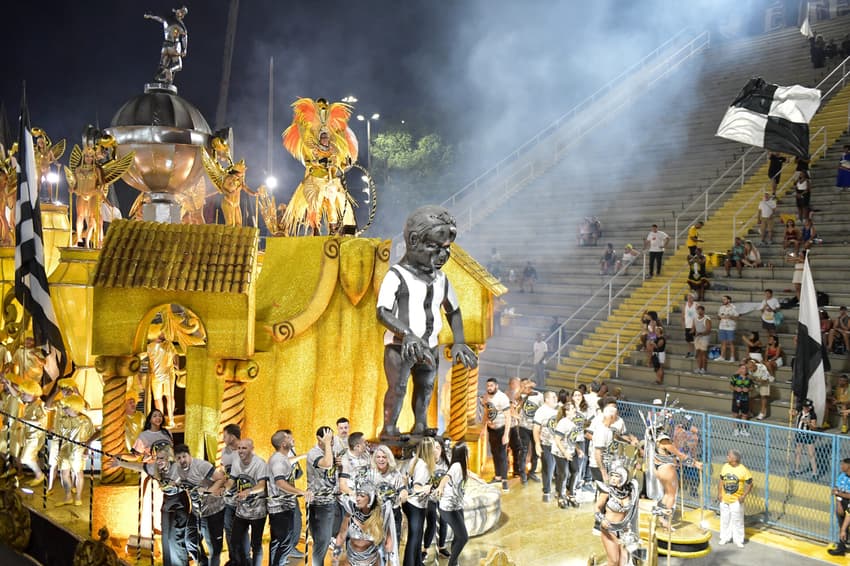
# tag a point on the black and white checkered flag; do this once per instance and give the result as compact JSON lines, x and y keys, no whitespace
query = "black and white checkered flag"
{"x":771,"y":116}
{"x":31,"y":287}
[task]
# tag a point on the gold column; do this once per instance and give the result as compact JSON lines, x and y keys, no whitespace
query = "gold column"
{"x":115,"y":370}
{"x":462,"y":398}
{"x":236,"y":375}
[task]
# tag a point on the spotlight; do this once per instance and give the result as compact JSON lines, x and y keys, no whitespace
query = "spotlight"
{"x":375,"y":116}
{"x":361,"y":117}
{"x":350,"y":99}
{"x":52,"y":177}
{"x":271,"y":182}
{"x":365,"y":178}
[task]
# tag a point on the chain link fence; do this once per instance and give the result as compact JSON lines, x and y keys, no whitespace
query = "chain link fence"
{"x":793,"y":470}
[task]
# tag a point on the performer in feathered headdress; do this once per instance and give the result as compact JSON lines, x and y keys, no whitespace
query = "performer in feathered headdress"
{"x":319,"y":137}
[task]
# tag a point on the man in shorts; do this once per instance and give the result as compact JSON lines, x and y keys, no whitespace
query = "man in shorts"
{"x":689,"y":314}
{"x":768,"y":307}
{"x":702,"y":334}
{"x":761,"y":377}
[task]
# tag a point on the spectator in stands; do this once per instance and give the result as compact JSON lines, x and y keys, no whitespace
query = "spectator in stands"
{"x":768,"y":307}
{"x":826,"y":325}
{"x":754,"y":346}
{"x":728,"y":315}
{"x":689,"y":314}
{"x":693,"y":237}
{"x":655,"y":242}
{"x":554,"y":328}
{"x":762,"y":378}
{"x":697,"y":275}
{"x":609,"y":261}
{"x":645,"y":319}
{"x":773,"y":355}
{"x":842,"y":180}
{"x":767,"y":208}
{"x":595,"y":229}
{"x":805,"y":421}
{"x":651,"y":339}
{"x":808,"y":235}
{"x":817,"y":52}
{"x":741,"y":385}
{"x":791,"y":240}
{"x":752,"y":255}
{"x":840,"y":329}
{"x":529,"y":278}
{"x":702,"y":335}
{"x":659,"y":356}
{"x":735,"y":258}
{"x":831,"y":50}
{"x":803,"y":194}
{"x":798,"y":260}
{"x":538,"y":355}
{"x":841,"y":491}
{"x":629,"y":255}
{"x":774,"y":169}
{"x":735,"y":484}
{"x":495,"y":265}
{"x":585,"y":233}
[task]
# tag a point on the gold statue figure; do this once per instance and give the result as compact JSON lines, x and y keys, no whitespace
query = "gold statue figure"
{"x":319,"y":137}
{"x":8,"y":194}
{"x":192,"y":203}
{"x":273,"y":214}
{"x":46,"y":154}
{"x":89,"y":181}
{"x":230,"y":182}
{"x":175,"y":44}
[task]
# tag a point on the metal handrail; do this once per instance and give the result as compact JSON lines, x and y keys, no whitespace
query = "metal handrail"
{"x":782,"y":189}
{"x":704,"y":195}
{"x":673,"y":280}
{"x":606,"y":306}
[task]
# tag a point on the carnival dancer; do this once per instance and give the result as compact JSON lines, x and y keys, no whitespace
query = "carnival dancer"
{"x":77,"y":428}
{"x":56,"y":415}
{"x":567,"y":453}
{"x":389,"y":481}
{"x":10,"y":404}
{"x":32,"y":438}
{"x":434,"y":524}
{"x":153,"y":438}
{"x":617,"y":514}
{"x":248,"y":478}
{"x":451,"y":493}
{"x":205,"y":484}
{"x":283,"y":498}
{"x":662,"y":463}
{"x":368,"y":528}
{"x":319,"y":137}
{"x":175,"y":503}
{"x":322,"y":481}
{"x":419,"y":473}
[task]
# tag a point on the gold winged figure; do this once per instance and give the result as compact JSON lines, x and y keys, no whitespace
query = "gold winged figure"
{"x":230,"y":182}
{"x":89,"y":182}
{"x":46,"y":154}
{"x":8,"y":194}
{"x":319,"y":137}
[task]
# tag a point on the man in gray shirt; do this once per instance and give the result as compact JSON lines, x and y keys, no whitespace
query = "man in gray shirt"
{"x":322,"y":481}
{"x":248,"y":477}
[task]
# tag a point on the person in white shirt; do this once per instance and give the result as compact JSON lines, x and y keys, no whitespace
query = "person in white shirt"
{"x":767,"y":207}
{"x":545,"y":420}
{"x":768,"y":308}
{"x":689,"y":314}
{"x":497,"y":423}
{"x":728,"y":315}
{"x":655,"y":242}
{"x":450,"y":494}
{"x":539,"y":350}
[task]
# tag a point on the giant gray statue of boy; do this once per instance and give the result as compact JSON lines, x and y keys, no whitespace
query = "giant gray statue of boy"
{"x":409,"y":303}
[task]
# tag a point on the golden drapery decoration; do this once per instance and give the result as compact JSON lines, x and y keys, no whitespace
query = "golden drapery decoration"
{"x":115,"y":370}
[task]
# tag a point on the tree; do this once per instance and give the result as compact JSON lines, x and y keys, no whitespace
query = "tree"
{"x":398,"y":154}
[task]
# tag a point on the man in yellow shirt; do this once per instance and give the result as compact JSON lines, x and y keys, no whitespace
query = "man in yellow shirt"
{"x":693,"y":236}
{"x":735,"y":484}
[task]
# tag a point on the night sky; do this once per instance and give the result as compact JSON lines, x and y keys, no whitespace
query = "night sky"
{"x":485,"y":75}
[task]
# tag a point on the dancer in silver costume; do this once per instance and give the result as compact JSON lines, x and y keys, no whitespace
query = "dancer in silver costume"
{"x":368,"y":528}
{"x":617,"y":514}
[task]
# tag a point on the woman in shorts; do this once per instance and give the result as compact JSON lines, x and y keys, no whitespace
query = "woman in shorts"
{"x":806,"y":421}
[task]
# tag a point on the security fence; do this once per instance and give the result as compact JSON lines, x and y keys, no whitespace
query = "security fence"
{"x":793,"y":471}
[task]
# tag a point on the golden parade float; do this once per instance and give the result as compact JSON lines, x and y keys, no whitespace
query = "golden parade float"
{"x":279,"y":336}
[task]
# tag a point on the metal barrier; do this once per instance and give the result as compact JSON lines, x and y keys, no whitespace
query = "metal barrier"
{"x":793,"y":471}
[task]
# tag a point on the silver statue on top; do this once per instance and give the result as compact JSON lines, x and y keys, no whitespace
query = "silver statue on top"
{"x":175,"y":44}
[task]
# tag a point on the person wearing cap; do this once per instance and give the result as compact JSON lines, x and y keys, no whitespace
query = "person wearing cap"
{"x":56,"y":416}
{"x":77,"y":429}
{"x":629,"y":255}
{"x":32,"y":438}
{"x":27,"y":362}
{"x":840,"y":329}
